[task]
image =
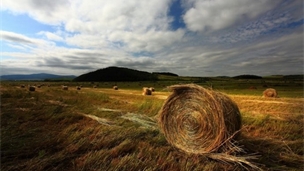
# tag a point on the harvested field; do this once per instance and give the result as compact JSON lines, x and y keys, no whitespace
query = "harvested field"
{"x":106,"y":129}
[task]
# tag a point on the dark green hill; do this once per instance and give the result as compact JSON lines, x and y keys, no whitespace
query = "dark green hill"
{"x":247,"y":77}
{"x":116,"y":74}
{"x":165,"y":73}
{"x":295,"y":77}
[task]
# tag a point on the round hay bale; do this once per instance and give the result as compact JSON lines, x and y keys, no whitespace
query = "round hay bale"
{"x":22,"y":86}
{"x":252,"y":88}
{"x":197,"y":120}
{"x":65,"y":87}
{"x":115,"y":87}
{"x":270,"y":92}
{"x":32,"y":88}
{"x":147,"y":91}
{"x":78,"y":87}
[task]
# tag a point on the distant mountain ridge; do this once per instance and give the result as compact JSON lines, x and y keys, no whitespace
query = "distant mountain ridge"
{"x":247,"y":77}
{"x":116,"y":74}
{"x":40,"y":76}
{"x":165,"y":73}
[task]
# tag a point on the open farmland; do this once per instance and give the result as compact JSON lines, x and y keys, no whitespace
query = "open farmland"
{"x":105,"y":129}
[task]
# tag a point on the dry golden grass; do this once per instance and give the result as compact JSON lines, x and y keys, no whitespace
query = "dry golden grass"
{"x":49,"y":129}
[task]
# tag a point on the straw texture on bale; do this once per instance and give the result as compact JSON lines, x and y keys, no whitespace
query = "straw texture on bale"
{"x":147,"y":91}
{"x":270,"y":92}
{"x":199,"y":121}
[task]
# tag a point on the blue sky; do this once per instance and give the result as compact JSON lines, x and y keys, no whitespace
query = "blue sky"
{"x":186,"y":37}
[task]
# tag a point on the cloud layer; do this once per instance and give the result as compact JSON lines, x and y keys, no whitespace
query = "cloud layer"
{"x":219,"y":14}
{"x":218,"y":37}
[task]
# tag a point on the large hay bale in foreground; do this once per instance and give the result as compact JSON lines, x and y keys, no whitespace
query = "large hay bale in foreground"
{"x":270,"y":92}
{"x":197,"y":120}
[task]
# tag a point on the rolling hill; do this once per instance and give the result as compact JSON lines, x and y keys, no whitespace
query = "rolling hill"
{"x":116,"y":74}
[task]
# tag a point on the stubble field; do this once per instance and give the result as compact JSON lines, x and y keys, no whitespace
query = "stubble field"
{"x":105,"y":129}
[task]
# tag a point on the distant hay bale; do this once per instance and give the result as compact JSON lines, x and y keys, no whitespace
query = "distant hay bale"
{"x":146,"y":91}
{"x":22,"y":86}
{"x":152,"y":89}
{"x":252,"y":88}
{"x":78,"y":87}
{"x":270,"y":92}
{"x":115,"y":87}
{"x":198,"y":121}
{"x":32,"y":88}
{"x":65,"y":87}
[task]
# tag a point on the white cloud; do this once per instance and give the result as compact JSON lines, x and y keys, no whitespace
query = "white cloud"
{"x":24,"y":41}
{"x":95,"y":16}
{"x":147,"y":41}
{"x":51,"y":36}
{"x":87,"y":41}
{"x":220,"y":14}
{"x":220,"y":38}
{"x":19,"y":55}
{"x":50,"y":12}
{"x":138,"y":25}
{"x":128,"y":15}
{"x":132,"y":25}
{"x":16,"y":46}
